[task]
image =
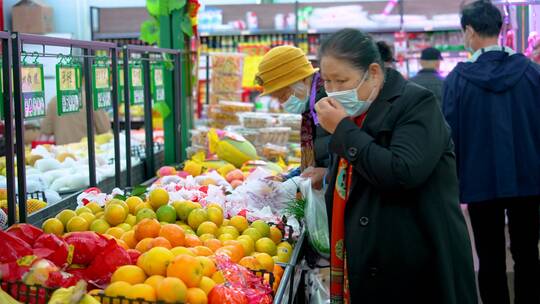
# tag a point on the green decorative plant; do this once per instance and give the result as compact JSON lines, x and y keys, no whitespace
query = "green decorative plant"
{"x":158,"y":8}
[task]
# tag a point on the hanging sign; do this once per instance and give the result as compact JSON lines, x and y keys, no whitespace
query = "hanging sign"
{"x":33,"y":91}
{"x":158,"y":89}
{"x":101,"y":86}
{"x":68,"y":87}
{"x":120,"y":84}
{"x":136,"y":84}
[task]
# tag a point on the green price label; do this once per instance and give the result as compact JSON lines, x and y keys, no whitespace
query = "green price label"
{"x":101,"y":86}
{"x":33,"y":91}
{"x":68,"y":88}
{"x":157,"y":87}
{"x":136,"y":84}
{"x":120,"y":84}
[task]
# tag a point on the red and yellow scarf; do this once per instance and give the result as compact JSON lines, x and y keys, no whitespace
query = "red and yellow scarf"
{"x":339,"y":283}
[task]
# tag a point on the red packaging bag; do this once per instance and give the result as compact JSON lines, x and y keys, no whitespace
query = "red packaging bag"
{"x":227,"y":294}
{"x":52,"y":248}
{"x":25,"y":232}
{"x":105,"y":264}
{"x":12,"y":248}
{"x":86,"y":245}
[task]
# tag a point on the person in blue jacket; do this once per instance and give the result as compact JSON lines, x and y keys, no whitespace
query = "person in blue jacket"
{"x":492,"y":104}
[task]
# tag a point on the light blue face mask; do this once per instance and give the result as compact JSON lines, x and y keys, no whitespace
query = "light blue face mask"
{"x":294,"y":104}
{"x":353,"y":105}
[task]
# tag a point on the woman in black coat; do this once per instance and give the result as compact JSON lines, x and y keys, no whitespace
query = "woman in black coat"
{"x":397,"y":231}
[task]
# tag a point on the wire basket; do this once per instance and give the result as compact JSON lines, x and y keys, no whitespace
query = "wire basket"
{"x":27,"y":294}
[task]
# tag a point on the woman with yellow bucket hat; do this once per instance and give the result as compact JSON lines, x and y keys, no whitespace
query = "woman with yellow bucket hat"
{"x":286,"y":74}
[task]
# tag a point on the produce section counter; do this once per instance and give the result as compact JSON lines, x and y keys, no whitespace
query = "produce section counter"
{"x":287,"y":290}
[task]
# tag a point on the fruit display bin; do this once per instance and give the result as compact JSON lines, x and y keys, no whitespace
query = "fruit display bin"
{"x":288,"y":287}
{"x":37,"y":294}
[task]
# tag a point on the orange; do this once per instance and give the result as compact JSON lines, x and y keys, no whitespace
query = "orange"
{"x":215,"y":215}
{"x":206,"y":236}
{"x":186,"y":268}
{"x":129,"y":238}
{"x":142,"y":206}
{"x":158,"y":197}
{"x":172,"y":290}
{"x":77,"y":223}
{"x":54,"y":226}
{"x":239,"y":222}
{"x":208,"y":265}
{"x":133,"y":202}
{"x":155,"y":261}
{"x":250,"y":262}
{"x":161,"y":242}
{"x":266,"y":245}
{"x":228,"y":230}
{"x":213,"y":244}
{"x":225,"y":237}
{"x":176,"y":251}
{"x":275,"y":234}
{"x":202,"y":251}
{"x":115,"y":214}
{"x":218,"y":277}
{"x":196,"y":218}
{"x":207,"y":228}
{"x":232,"y":252}
{"x":144,"y":245}
{"x":117,"y":289}
{"x":154,"y":281}
{"x":122,"y":244}
{"x":174,"y":234}
{"x":130,"y":274}
{"x":278,"y":271}
{"x":116,"y":232}
{"x":196,"y":296}
{"x":207,"y":284}
{"x":147,"y":228}
{"x":141,"y":291}
{"x":236,"y":244}
{"x":266,"y":261}
{"x":247,"y":242}
{"x":192,"y":241}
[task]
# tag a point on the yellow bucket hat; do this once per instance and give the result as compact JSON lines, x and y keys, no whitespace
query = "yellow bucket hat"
{"x":281,"y":67}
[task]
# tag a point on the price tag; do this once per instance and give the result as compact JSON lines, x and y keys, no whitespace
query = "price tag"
{"x":33,"y":91}
{"x":136,"y":84}
{"x":120,"y":84}
{"x":158,"y":88}
{"x":101,"y":86}
{"x":68,"y":88}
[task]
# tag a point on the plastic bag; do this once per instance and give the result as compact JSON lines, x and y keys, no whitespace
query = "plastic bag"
{"x":106,"y":262}
{"x":239,"y":280}
{"x":12,"y":248}
{"x":318,"y":286}
{"x":25,"y":232}
{"x":316,"y":218}
{"x":87,"y":244}
{"x":52,"y":248}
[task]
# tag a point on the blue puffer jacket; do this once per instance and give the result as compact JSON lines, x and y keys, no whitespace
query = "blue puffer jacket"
{"x":493,"y":107}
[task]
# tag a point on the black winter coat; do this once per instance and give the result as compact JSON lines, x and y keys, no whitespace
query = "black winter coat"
{"x":405,"y":235}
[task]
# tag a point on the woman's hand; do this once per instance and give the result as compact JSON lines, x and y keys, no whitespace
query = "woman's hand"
{"x":316,"y":175}
{"x":330,"y":113}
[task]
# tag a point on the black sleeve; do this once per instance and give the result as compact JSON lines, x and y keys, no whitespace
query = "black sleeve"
{"x":321,"y":139}
{"x":418,"y":141}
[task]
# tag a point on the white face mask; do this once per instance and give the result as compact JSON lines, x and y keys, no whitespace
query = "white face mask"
{"x":294,"y":104}
{"x":349,"y":99}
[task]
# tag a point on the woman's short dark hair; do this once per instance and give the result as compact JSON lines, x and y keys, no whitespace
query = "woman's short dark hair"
{"x":352,"y":45}
{"x":385,"y":50}
{"x":484,"y":17}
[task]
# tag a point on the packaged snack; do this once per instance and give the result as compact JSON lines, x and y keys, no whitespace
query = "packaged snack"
{"x":255,"y":120}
